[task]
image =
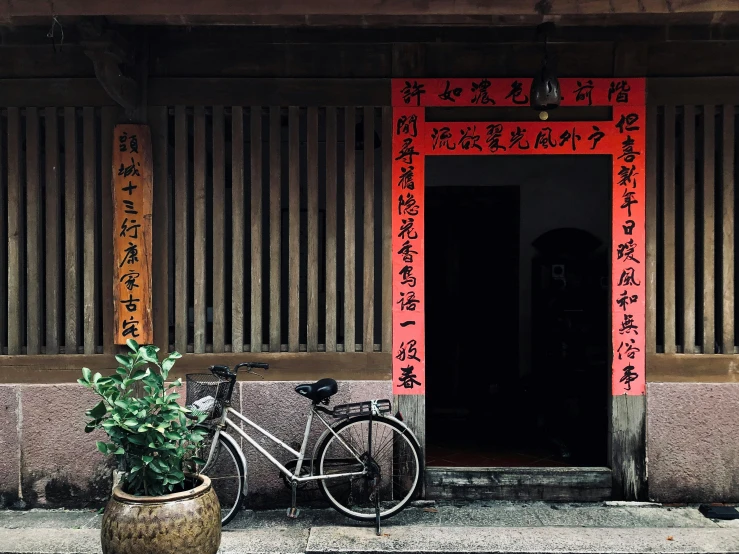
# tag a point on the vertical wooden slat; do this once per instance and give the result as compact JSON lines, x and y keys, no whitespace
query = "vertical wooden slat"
{"x":158,"y":119}
{"x":34,"y":229}
{"x":15,"y":236}
{"x":312,"y":204}
{"x":387,"y":255}
{"x":71,"y":292}
{"x":181,"y":224}
{"x":256,"y":228}
{"x":727,"y":240}
{"x":3,"y":251}
{"x":89,"y":207}
{"x":275,"y":226}
{"x":106,"y":239}
{"x":668,"y":246}
{"x":218,"y":272}
{"x":293,"y":322}
{"x":651,"y":228}
{"x":331,"y":157}
{"x":52,"y":225}
{"x":709,"y":230}
{"x":199,"y":258}
{"x":237,"y":222}
{"x":368,"y":309}
{"x":689,"y":229}
{"x":349,"y":228}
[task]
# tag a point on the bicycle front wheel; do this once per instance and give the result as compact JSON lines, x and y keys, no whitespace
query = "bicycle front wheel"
{"x":227,"y":474}
{"x":391,"y":467}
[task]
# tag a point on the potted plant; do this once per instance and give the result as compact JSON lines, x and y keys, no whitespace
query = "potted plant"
{"x":158,"y":506}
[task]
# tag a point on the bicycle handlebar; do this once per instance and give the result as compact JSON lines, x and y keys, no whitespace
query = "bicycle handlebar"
{"x":225,"y":371}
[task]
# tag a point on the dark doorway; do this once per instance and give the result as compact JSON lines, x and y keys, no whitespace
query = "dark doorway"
{"x":517,"y":325}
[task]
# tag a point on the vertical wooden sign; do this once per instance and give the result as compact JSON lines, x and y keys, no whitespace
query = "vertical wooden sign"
{"x":132,"y":239}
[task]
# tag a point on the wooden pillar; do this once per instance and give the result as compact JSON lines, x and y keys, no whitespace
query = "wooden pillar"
{"x":628,"y":412}
{"x":408,"y":61}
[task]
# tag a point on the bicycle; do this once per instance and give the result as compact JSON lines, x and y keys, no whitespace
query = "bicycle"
{"x":368,"y":463}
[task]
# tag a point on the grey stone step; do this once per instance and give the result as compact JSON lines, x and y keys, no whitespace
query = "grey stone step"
{"x":419,"y":539}
{"x":528,"y":540}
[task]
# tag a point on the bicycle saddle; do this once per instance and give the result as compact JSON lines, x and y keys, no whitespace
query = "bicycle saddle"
{"x":320,"y":390}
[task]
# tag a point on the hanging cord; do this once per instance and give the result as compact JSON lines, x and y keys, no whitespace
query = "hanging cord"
{"x":51,"y":34}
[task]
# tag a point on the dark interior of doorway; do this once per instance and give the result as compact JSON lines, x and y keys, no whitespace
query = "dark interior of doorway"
{"x":517,"y":324}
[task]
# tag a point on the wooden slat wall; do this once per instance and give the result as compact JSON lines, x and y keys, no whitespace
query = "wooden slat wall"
{"x":52,"y":225}
{"x":199,"y":252}
{"x":16,"y":238}
{"x":331,"y":228}
{"x":255,"y":221}
{"x":349,"y":231}
{"x":53,"y":236}
{"x":3,"y":246}
{"x":293,"y":320}
{"x":107,"y":123}
{"x":180,"y":228}
{"x":71,"y":222}
{"x":368,"y":266}
{"x":218,"y":273}
{"x":268,"y":226}
{"x":91,"y":309}
{"x":693,"y":204}
{"x":275,"y":234}
{"x":34,"y":226}
{"x":237,"y":227}
{"x":312,"y":203}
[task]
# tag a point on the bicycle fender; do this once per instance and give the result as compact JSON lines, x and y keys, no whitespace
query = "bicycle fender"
{"x":317,"y":444}
{"x":405,"y":427}
{"x":240,"y":453}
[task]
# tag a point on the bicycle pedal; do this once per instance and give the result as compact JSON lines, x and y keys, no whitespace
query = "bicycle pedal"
{"x":293,"y":513}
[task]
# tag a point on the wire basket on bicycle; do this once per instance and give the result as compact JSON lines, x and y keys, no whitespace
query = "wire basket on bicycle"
{"x":206,"y":394}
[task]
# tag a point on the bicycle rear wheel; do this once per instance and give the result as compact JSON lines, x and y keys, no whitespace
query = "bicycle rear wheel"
{"x":395,"y":459}
{"x":227,"y":474}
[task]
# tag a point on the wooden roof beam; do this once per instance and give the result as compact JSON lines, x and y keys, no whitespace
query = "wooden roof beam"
{"x":495,"y":8}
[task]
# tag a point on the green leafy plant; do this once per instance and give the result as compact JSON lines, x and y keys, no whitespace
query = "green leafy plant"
{"x":149,"y":432}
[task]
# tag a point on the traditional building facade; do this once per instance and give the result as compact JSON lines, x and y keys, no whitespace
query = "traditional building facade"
{"x":284,"y":202}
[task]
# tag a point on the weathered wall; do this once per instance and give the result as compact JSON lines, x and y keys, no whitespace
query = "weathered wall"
{"x":693,"y":442}
{"x":47,"y":455}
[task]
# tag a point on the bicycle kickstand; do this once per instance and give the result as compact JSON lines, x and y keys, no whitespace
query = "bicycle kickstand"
{"x":377,"y":509}
{"x":292,"y":511}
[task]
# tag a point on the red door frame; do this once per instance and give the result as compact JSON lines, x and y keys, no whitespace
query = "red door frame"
{"x":623,"y":138}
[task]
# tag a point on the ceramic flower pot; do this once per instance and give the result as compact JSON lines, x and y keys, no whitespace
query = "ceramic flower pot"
{"x":177,"y":523}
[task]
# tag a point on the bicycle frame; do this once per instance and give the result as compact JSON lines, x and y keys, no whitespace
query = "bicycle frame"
{"x":225,"y":422}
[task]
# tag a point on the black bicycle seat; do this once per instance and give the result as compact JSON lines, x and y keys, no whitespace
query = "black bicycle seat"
{"x":320,"y":390}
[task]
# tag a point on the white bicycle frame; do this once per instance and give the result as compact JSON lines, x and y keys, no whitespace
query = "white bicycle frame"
{"x":226,"y":422}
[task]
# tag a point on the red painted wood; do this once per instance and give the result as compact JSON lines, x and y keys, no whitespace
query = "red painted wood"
{"x":623,"y":138}
{"x":408,"y":207}
{"x":514,"y":92}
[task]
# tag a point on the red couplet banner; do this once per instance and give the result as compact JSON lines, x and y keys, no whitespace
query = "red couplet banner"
{"x":409,"y":362}
{"x":623,"y":138}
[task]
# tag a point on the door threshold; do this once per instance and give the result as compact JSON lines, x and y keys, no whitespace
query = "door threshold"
{"x":552,"y":484}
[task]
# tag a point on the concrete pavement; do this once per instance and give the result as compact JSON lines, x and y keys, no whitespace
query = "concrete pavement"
{"x":439,"y":528}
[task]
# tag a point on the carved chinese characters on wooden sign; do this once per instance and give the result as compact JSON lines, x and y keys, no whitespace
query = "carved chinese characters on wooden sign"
{"x":132,"y":235}
{"x":623,"y":138}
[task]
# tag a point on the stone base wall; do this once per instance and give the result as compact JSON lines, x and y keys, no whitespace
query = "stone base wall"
{"x":48,"y":461}
{"x":693,"y":442}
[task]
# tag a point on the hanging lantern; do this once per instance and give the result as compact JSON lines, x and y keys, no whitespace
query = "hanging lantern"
{"x":545,"y":93}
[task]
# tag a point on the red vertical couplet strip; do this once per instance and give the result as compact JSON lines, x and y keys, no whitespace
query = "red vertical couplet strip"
{"x":409,"y":362}
{"x":132,"y":233}
{"x":629,"y":250}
